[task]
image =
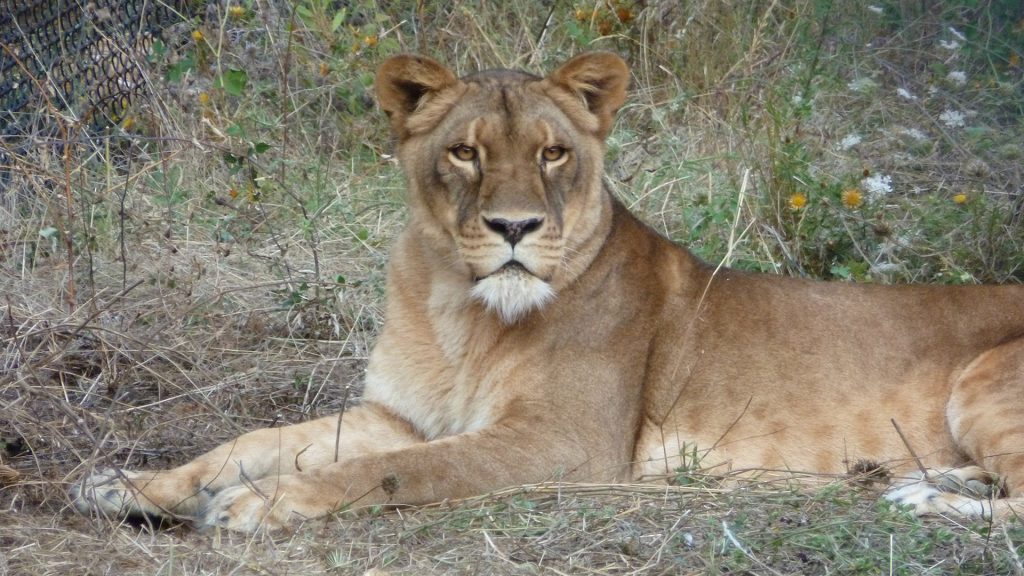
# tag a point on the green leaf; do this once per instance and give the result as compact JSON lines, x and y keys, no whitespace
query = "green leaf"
{"x":260,"y":147}
{"x":859,"y":270}
{"x":840,"y":271}
{"x":339,"y":18}
{"x":388,"y":45}
{"x":235,"y":130}
{"x":178,"y":69}
{"x":49,"y":232}
{"x":233,"y":81}
{"x":158,"y":51}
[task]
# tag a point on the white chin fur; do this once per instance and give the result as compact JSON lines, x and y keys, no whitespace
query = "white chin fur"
{"x":512,"y":294}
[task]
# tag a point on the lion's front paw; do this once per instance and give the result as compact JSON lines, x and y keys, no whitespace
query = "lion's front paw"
{"x":114,"y":493}
{"x":121,"y":493}
{"x":247,"y":508}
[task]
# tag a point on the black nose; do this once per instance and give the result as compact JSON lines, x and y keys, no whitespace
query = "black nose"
{"x":513,"y":232}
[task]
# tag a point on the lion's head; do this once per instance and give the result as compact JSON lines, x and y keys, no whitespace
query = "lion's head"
{"x":504,"y":169}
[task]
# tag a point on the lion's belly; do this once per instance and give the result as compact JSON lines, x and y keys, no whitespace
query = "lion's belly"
{"x":815,"y":437}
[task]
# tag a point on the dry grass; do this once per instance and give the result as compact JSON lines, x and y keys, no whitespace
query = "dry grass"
{"x":167,"y":286}
{"x":557,"y":529}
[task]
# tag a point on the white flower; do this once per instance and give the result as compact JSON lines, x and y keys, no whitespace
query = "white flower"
{"x":957,"y":77}
{"x":850,"y":141}
{"x":885,"y":268}
{"x":949,"y":44}
{"x":861,"y":85}
{"x":876,"y":9}
{"x":905,"y":94}
{"x":952,"y":118}
{"x":877,"y":185}
{"x":914,"y":133}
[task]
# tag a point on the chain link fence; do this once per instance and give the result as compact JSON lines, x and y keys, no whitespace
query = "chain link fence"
{"x":81,"y":59}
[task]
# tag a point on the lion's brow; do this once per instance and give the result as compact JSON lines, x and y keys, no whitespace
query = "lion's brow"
{"x":500,"y":77}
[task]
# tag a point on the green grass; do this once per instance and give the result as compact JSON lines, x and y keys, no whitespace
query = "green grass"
{"x":214,"y":262}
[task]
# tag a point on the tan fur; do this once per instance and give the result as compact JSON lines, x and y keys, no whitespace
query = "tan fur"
{"x":608,"y":352}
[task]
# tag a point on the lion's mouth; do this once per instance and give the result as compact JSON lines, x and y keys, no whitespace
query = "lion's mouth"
{"x":511,"y":267}
{"x":514,"y":265}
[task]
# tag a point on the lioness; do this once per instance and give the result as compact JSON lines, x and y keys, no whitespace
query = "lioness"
{"x":536,"y":331}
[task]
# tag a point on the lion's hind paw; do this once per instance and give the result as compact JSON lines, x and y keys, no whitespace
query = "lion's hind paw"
{"x":964,"y":492}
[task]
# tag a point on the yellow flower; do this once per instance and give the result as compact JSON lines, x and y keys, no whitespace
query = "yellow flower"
{"x":852,"y":198}
{"x":370,"y":41}
{"x":197,"y":35}
{"x":236,"y":11}
{"x":797,"y":201}
{"x":204,"y":98}
{"x":960,"y":198}
{"x":128,"y":122}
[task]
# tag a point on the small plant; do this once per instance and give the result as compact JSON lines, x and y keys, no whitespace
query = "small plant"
{"x":689,"y":471}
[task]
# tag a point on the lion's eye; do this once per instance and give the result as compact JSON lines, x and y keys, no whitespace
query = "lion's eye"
{"x":463,"y":153}
{"x":553,"y":153}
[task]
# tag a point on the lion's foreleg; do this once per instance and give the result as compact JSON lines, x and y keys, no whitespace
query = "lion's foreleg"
{"x":453,"y":467}
{"x":185,"y":490}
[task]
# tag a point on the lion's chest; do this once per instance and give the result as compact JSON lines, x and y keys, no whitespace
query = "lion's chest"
{"x":435,"y":407}
{"x":441,"y":371}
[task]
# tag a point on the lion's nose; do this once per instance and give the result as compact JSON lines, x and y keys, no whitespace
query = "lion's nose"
{"x":513,"y":231}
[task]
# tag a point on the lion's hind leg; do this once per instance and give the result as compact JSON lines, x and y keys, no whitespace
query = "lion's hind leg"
{"x":985,"y":414}
{"x":986,"y":419}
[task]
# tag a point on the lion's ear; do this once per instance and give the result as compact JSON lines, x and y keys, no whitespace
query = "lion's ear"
{"x":600,"y":79}
{"x":402,"y":84}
